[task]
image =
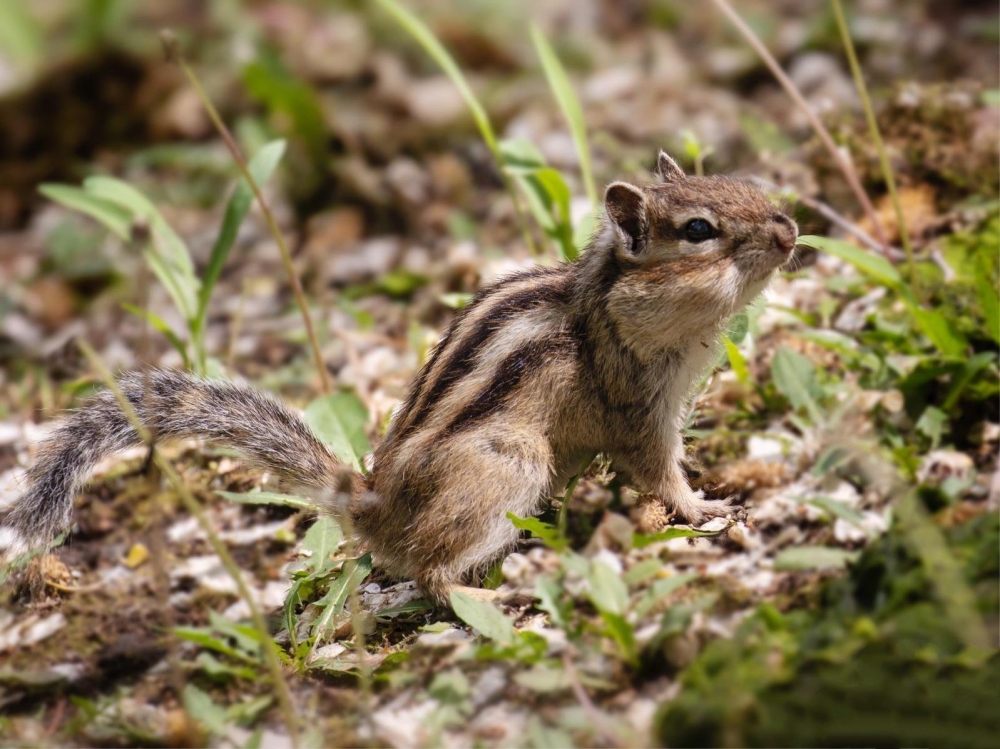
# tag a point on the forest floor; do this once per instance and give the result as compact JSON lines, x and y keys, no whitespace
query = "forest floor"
{"x":849,"y":598}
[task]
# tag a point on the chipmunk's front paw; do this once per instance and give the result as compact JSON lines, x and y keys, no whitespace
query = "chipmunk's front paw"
{"x":654,"y":513}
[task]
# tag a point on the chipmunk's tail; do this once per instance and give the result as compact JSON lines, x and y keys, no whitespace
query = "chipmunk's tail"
{"x":171,"y":405}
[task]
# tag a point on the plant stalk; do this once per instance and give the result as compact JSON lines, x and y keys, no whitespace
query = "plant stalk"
{"x":271,"y":656}
{"x":883,"y":158}
{"x":173,"y":54}
{"x":824,"y":135}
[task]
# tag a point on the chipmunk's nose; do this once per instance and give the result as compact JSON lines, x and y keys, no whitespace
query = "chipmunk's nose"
{"x":785,"y":233}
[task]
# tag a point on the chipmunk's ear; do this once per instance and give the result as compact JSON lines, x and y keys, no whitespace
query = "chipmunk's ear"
{"x":625,"y":205}
{"x":667,"y":169}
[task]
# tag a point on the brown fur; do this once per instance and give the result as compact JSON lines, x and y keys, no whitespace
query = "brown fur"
{"x":540,"y":372}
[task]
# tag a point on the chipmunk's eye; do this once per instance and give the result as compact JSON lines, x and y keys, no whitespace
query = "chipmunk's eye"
{"x":698,"y":230}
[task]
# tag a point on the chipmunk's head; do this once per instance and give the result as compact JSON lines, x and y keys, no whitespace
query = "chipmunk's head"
{"x":705,"y":245}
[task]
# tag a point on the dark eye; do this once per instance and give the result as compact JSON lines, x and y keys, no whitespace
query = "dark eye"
{"x":698,"y":230}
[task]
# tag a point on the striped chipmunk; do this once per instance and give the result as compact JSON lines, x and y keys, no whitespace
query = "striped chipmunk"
{"x":541,"y":371}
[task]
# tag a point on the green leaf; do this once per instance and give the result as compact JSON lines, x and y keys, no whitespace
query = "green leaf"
{"x":623,"y":634}
{"x":813,"y":558}
{"x":547,"y":532}
{"x":269,"y":498}
{"x":351,"y":576}
{"x":608,"y":591}
{"x":939,"y":330}
{"x":166,"y":253}
{"x":989,"y":300}
{"x":548,"y":591}
{"x":339,"y":421}
{"x":874,"y":266}
{"x":261,"y":166}
{"x":970,"y":368}
{"x":106,"y":212}
{"x":483,"y":617}
{"x":570,"y":106}
{"x":322,"y":539}
{"x":200,"y":706}
{"x":737,"y":362}
{"x":641,"y":540}
{"x":933,"y":423}
{"x":836,"y":508}
{"x":161,"y":325}
{"x":425,"y":37}
{"x":455,"y":300}
{"x":795,"y":377}
{"x":206,"y":638}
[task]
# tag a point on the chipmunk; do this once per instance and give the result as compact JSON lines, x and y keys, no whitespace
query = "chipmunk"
{"x":540,"y":371}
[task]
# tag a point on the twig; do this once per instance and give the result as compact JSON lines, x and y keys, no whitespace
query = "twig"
{"x":830,"y":214}
{"x":174,"y":55}
{"x":883,"y":159}
{"x":271,"y":657}
{"x":824,"y":135}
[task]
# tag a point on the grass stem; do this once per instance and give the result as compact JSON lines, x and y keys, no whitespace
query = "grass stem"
{"x":173,"y":53}
{"x":883,"y":158}
{"x":271,"y":656}
{"x":793,"y":92}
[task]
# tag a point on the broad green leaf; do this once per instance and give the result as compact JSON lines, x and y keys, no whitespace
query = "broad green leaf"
{"x":425,"y":37}
{"x":339,"y":421}
{"x":200,"y":706}
{"x":269,"y":498}
{"x":641,"y":540}
{"x":872,"y":265}
{"x":483,"y":617}
{"x":261,"y":166}
{"x":608,"y":591}
{"x":106,"y":212}
{"x":813,"y":558}
{"x":548,"y":533}
{"x":570,"y":106}
{"x":161,"y":325}
{"x":166,"y":253}
{"x":351,"y":576}
{"x":795,"y":377}
{"x":520,"y":152}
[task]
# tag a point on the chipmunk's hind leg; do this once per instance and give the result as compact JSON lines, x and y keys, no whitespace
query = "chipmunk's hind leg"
{"x":464,"y":528}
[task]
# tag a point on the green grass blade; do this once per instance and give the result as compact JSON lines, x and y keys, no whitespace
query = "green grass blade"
{"x":570,"y":106}
{"x":425,"y":37}
{"x":161,"y":325}
{"x":875,"y":267}
{"x":261,"y":166}
{"x":106,"y":212}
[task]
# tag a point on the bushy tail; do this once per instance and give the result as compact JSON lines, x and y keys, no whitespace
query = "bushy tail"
{"x":171,"y":405}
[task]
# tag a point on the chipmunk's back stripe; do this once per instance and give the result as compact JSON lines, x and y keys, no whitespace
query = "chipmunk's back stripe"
{"x":463,"y":352}
{"x":507,"y":378}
